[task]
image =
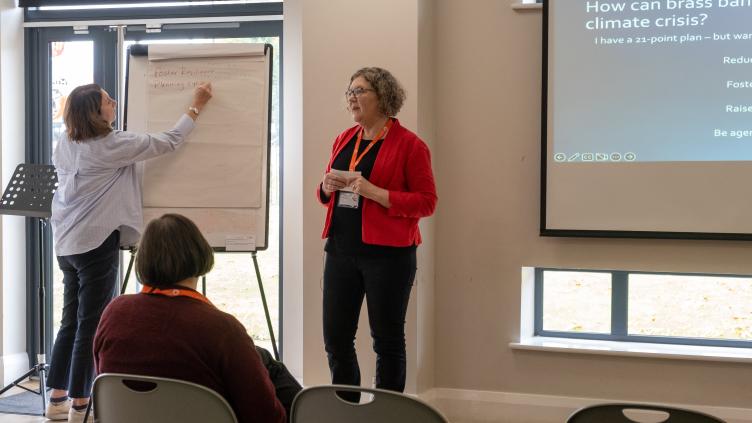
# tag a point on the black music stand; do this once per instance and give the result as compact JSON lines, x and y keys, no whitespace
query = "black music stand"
{"x":29,"y":193}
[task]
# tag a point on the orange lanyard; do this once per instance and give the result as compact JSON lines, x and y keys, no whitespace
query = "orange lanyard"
{"x":355,"y":159}
{"x":176,"y":292}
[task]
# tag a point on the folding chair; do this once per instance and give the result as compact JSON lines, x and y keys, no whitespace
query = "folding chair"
{"x":621,"y":413}
{"x":120,"y":398}
{"x":322,"y":404}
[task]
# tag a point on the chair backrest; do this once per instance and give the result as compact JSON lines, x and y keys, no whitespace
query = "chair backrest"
{"x":322,"y":404}
{"x":621,"y":413}
{"x":120,"y":398}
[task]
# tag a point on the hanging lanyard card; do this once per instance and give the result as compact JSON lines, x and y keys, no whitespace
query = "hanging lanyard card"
{"x":346,"y":197}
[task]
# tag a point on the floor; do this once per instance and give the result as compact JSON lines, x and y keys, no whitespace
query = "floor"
{"x":15,"y":418}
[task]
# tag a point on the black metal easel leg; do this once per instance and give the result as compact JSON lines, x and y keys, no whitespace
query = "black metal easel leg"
{"x":266,"y":308}
{"x":41,"y":357}
{"x":42,"y":372}
{"x":34,"y":201}
{"x":21,"y":379}
{"x":203,"y":285}
{"x":128,"y":272}
{"x":41,"y":367}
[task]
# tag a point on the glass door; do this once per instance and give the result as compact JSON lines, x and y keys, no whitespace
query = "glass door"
{"x":58,"y":60}
{"x":71,"y":65}
{"x":63,"y":60}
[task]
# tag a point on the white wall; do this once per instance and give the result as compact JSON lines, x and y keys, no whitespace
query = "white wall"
{"x":13,"y":247}
{"x":293,"y":306}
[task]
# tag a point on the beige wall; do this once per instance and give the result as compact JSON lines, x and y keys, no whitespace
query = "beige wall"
{"x":472,"y":71}
{"x":425,"y":281}
{"x":487,"y":148}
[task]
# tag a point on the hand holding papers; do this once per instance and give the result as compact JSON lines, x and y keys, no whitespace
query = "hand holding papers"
{"x":348,"y":177}
{"x":347,"y":197}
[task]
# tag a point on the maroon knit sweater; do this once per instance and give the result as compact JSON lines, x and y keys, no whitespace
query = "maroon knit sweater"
{"x":183,"y":338}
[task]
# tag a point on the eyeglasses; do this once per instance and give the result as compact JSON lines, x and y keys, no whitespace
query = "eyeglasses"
{"x":357,"y":91}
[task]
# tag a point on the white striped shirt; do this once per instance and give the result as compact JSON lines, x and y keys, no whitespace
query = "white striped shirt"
{"x":99,"y":187}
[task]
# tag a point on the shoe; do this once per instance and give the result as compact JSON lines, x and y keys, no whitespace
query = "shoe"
{"x":58,"y":410}
{"x":75,"y":416}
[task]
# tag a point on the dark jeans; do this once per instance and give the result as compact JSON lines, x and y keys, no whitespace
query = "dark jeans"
{"x":90,"y":281}
{"x":386,"y":282}
{"x":286,"y":387}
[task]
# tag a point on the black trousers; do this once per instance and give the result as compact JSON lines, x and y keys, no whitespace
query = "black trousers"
{"x":90,"y":281}
{"x":385,"y":281}
{"x":286,"y":387}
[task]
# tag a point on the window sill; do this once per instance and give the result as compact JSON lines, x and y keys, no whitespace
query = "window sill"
{"x":635,"y":349}
{"x":527,"y":6}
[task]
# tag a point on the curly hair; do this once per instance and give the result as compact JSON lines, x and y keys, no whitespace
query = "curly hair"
{"x":389,"y":91}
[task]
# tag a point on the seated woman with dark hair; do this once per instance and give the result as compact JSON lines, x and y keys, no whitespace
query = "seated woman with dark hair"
{"x":171,"y":330}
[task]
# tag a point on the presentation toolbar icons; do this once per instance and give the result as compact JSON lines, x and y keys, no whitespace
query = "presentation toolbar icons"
{"x":595,"y":157}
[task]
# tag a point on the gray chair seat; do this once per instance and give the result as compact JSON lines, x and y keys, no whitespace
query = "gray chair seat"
{"x":321,"y":404}
{"x":120,"y":398}
{"x":621,"y":413}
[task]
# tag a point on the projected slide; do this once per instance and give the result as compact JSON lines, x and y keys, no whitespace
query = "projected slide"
{"x":647,"y":128}
{"x":650,"y":81}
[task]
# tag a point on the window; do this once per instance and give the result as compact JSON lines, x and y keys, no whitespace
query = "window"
{"x":690,"y":309}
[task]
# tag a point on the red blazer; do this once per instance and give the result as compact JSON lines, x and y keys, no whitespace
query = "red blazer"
{"x":403,"y":167}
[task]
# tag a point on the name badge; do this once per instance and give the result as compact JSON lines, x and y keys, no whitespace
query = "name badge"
{"x":348,"y":199}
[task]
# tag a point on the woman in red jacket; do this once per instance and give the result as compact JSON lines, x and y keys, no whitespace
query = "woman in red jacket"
{"x":378,"y":184}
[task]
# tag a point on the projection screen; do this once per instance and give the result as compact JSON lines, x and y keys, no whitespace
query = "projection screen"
{"x":647,"y":119}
